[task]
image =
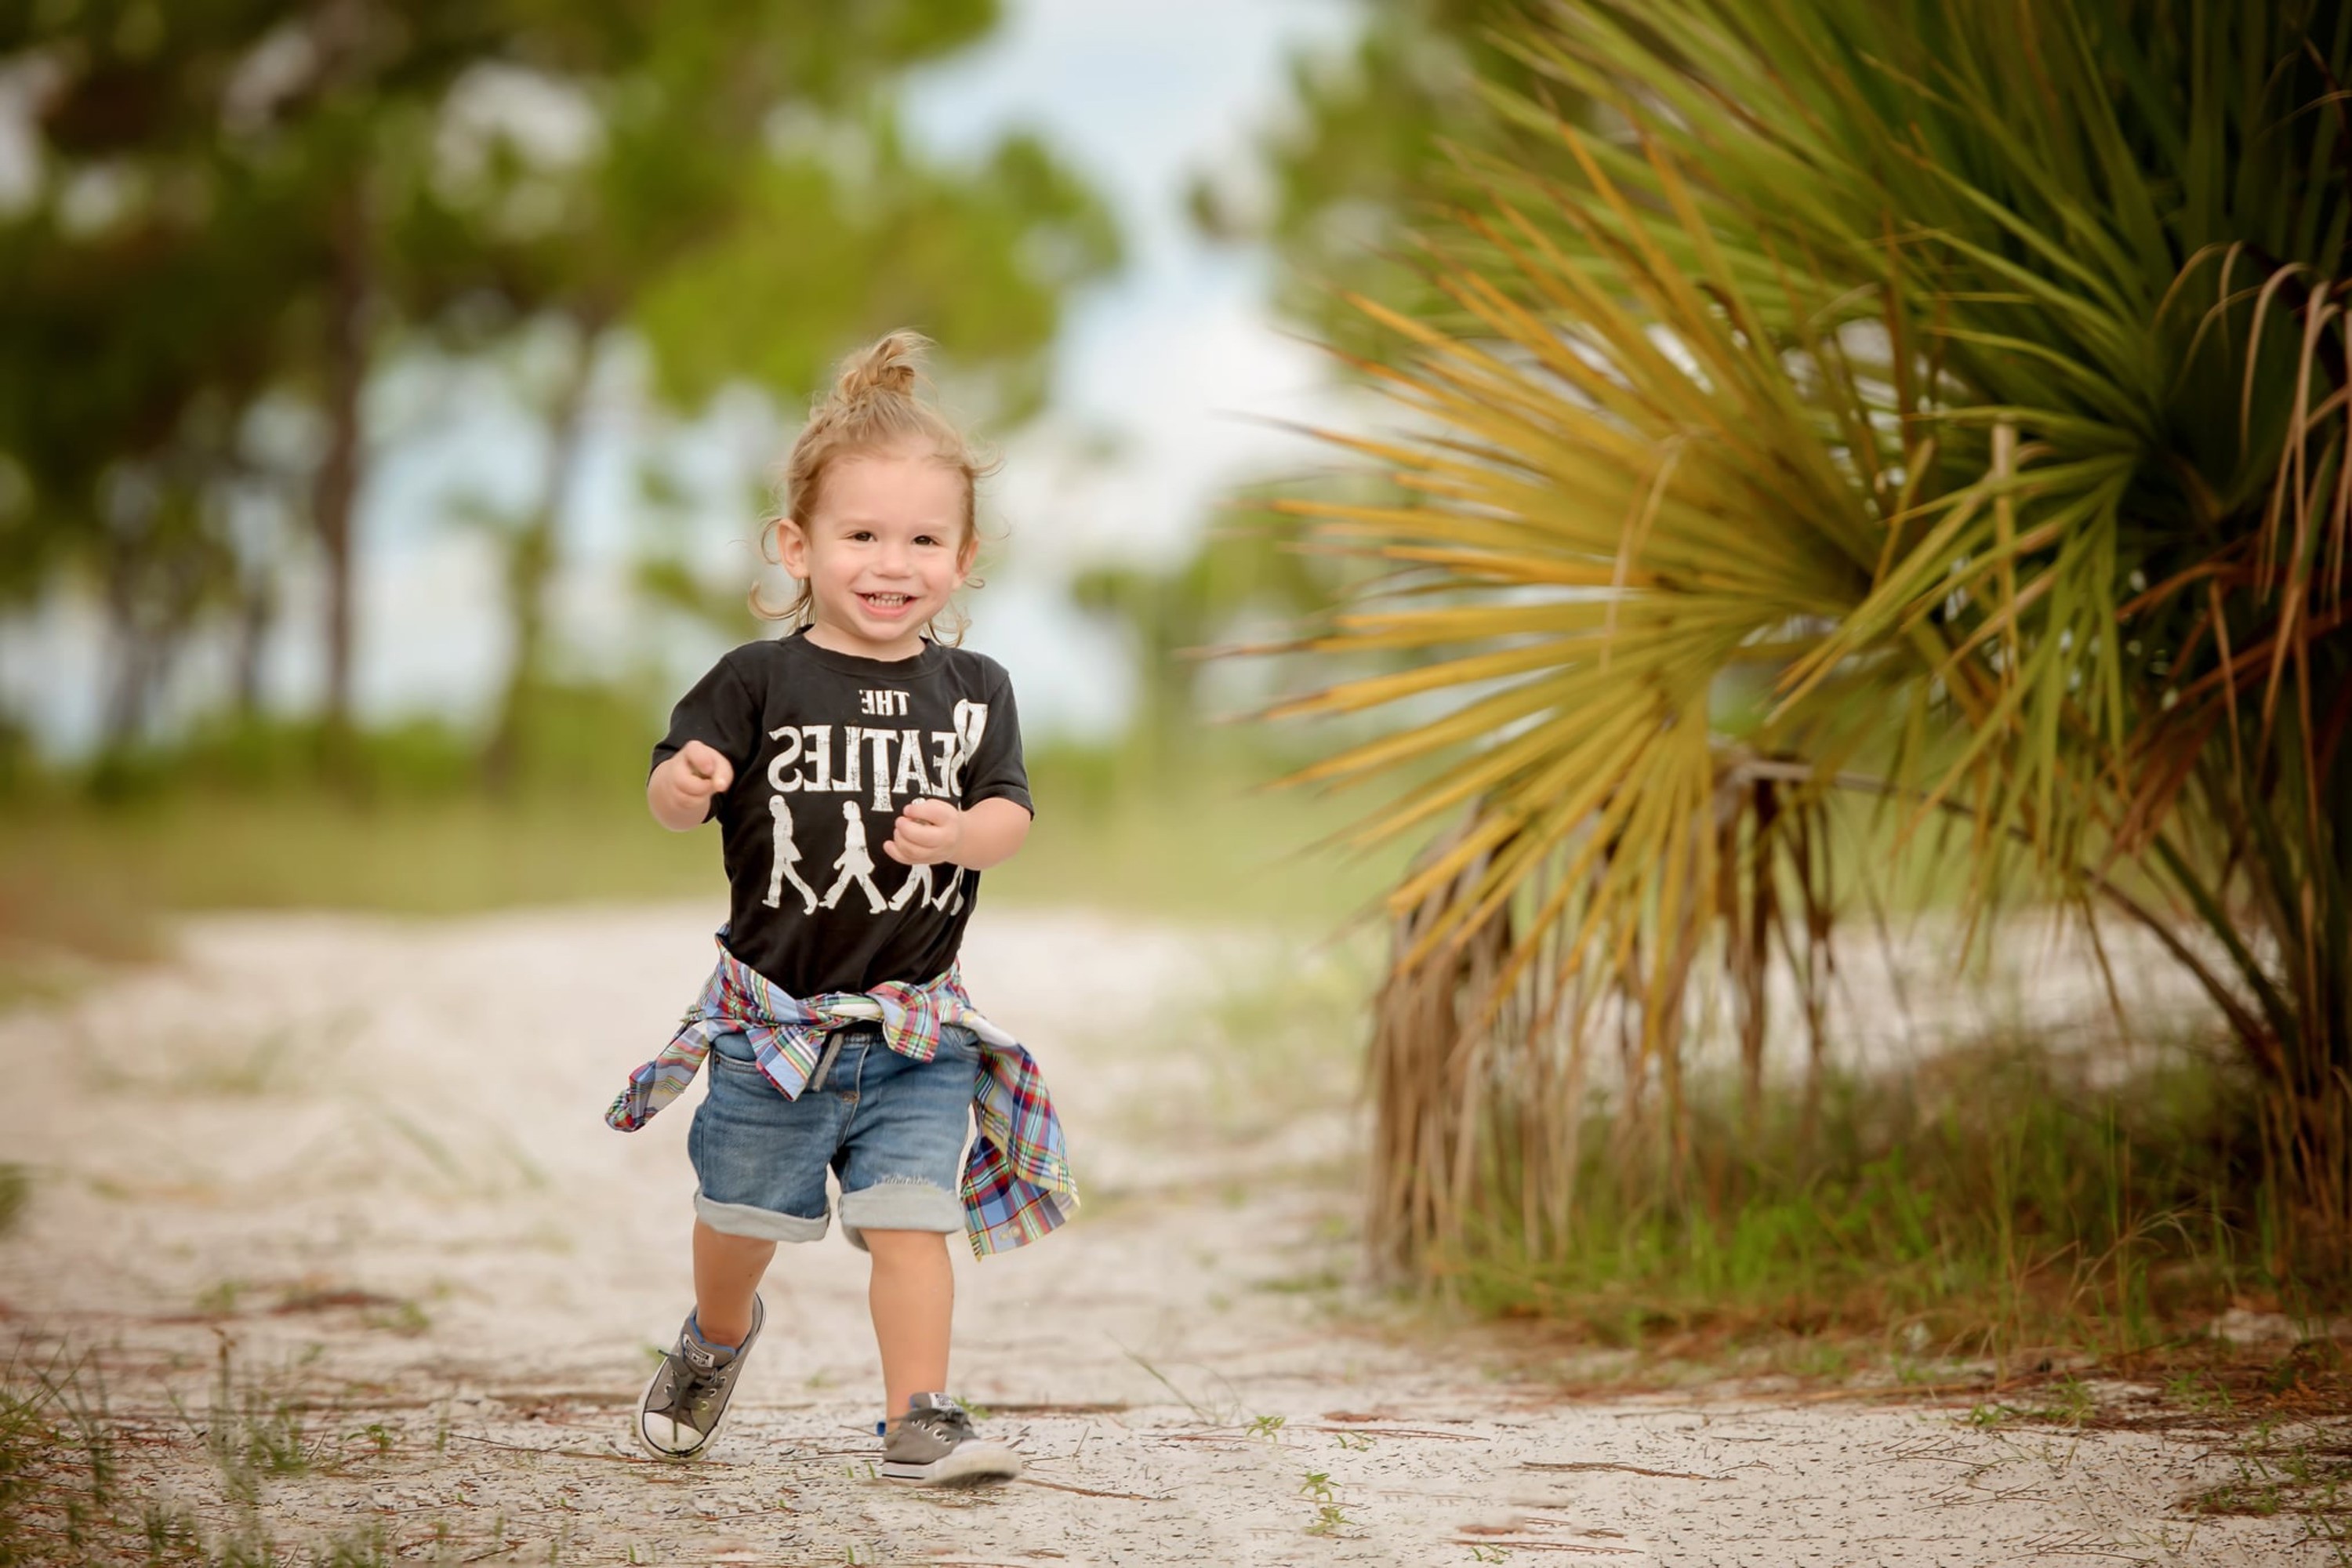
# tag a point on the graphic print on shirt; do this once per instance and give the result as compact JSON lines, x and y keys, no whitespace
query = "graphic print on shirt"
{"x":856,"y":863}
{"x":884,"y":767}
{"x":919,"y":878}
{"x":818,"y":899}
{"x":788,"y":854}
{"x":971,"y":724}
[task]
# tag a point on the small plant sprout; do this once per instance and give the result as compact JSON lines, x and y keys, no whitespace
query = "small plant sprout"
{"x":2070,"y":1404}
{"x":1329,"y":1519}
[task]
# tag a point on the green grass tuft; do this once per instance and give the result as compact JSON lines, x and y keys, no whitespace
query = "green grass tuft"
{"x":16,"y":1194}
{"x":1992,"y":1203}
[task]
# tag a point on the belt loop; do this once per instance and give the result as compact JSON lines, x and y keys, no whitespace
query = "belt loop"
{"x":825,"y":1063}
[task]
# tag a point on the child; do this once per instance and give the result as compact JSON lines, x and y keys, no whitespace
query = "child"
{"x":839,"y":1033}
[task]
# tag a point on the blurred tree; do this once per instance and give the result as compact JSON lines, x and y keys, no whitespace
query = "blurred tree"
{"x":206,"y":227}
{"x":1238,"y":580}
{"x":139,"y":285}
{"x":240,"y":201}
{"x":1359,"y":158}
{"x":1342,"y":175}
{"x":742,"y":207}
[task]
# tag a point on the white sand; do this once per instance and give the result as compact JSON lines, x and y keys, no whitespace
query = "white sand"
{"x":411,"y":1111}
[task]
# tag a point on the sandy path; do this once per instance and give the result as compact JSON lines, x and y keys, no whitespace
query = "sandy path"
{"x":365,"y":1160}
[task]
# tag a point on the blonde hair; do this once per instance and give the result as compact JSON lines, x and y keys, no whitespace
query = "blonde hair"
{"x":872,"y":409}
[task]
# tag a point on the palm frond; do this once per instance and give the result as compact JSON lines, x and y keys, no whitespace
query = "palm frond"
{"x":1984,"y":378}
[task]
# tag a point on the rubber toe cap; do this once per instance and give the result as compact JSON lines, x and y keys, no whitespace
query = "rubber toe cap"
{"x":667,"y":1436}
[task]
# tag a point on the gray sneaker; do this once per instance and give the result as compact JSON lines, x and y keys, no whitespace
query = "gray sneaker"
{"x":686,"y":1403}
{"x":933,"y":1445}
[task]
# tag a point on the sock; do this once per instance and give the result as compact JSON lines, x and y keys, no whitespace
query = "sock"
{"x":694,"y":1326}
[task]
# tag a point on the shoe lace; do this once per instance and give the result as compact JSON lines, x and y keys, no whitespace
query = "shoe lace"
{"x":701,"y":1375}
{"x":952,"y":1422}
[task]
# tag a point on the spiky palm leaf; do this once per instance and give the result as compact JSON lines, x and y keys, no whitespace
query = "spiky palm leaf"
{"x":1975,"y":372}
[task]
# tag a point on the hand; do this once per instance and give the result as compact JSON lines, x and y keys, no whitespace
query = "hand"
{"x":701,"y":772}
{"x":927,"y":832}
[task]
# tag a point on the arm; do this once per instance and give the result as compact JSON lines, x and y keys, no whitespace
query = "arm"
{"x":932,"y":831}
{"x":680,"y":792}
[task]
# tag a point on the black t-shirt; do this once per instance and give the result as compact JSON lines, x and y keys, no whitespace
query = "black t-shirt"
{"x":826,"y":748}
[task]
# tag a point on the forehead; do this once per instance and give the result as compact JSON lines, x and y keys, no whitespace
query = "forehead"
{"x":904,"y":486}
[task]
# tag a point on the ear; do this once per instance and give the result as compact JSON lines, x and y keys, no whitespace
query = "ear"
{"x":966,"y":556}
{"x":791,"y":547}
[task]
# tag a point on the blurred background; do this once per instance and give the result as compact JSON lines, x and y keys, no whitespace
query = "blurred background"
{"x":393,"y":395}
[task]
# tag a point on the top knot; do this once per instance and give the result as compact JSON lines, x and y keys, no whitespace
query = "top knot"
{"x":890,"y":366}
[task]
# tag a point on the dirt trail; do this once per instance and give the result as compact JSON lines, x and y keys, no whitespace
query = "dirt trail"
{"x":364,"y":1160}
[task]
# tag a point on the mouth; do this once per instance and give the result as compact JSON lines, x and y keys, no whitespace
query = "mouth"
{"x":884,"y":603}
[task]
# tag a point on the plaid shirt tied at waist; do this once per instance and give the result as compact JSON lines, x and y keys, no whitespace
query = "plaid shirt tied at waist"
{"x":1016,"y":1180}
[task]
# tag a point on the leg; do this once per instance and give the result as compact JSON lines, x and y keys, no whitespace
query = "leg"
{"x":897,"y":1195}
{"x":912,"y":1295}
{"x":759,"y":1168}
{"x":685,"y":1402}
{"x":727,"y":1270}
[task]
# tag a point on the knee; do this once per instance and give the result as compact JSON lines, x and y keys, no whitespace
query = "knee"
{"x":731,"y":1250}
{"x":894,"y":1247}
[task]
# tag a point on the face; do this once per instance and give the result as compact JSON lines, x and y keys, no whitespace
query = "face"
{"x":882,"y":555}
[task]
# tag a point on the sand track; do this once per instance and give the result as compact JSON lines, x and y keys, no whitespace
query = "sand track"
{"x":363,"y":1160}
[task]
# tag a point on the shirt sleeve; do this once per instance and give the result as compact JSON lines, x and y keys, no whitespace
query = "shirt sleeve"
{"x":721,"y":712}
{"x":996,"y":771}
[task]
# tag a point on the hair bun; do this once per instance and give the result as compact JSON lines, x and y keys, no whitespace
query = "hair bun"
{"x":890,"y":366}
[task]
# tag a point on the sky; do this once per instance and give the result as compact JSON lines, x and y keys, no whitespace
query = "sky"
{"x":1166,"y":378}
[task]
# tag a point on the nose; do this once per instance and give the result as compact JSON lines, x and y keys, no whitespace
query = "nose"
{"x":893,"y":561}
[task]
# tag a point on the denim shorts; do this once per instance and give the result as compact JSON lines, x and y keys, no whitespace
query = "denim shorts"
{"x":890,"y":1128}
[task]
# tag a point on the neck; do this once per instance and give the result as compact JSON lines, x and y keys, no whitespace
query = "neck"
{"x":834,"y":640}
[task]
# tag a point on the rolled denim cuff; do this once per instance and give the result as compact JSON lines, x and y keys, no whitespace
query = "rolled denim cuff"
{"x":759,"y":1225}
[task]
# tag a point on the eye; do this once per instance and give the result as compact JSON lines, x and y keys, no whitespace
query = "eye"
{"x":861,"y":535}
{"x":927,"y":538}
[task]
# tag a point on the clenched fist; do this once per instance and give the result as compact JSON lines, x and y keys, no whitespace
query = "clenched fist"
{"x":704,"y":773}
{"x":680,"y":789}
{"x":927,"y":833}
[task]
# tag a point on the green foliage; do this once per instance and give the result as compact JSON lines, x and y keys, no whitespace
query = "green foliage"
{"x":979,"y":257}
{"x":1988,"y":1202}
{"x":1992,"y":428}
{"x":16,"y":1194}
{"x":70,"y":1493}
{"x":239,"y":212}
{"x":1364,"y":152}
{"x":1244,"y":580}
{"x":94,"y":864}
{"x":21,"y":1440}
